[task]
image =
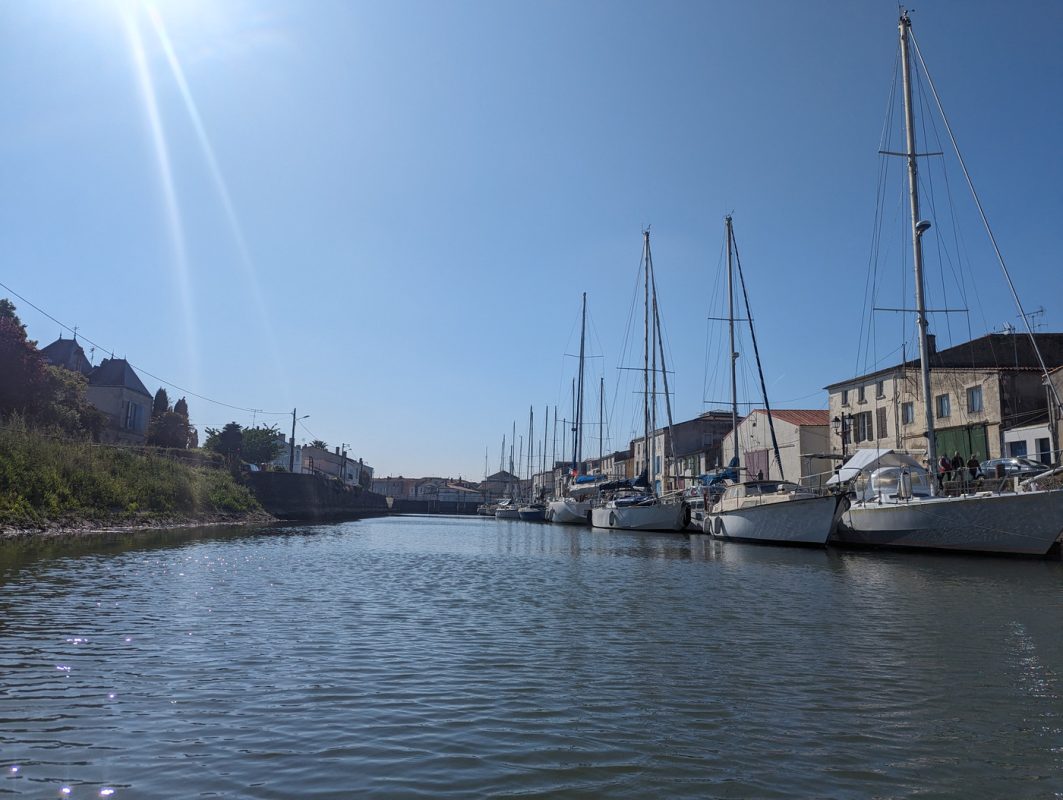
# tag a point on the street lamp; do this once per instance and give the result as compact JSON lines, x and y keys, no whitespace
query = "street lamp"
{"x":841,"y":427}
{"x":343,"y":463}
{"x":291,"y":448}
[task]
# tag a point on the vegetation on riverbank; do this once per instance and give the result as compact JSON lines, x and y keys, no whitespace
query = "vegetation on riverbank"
{"x":49,"y":482}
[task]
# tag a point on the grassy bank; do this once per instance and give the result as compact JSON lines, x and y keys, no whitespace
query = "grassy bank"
{"x":47,"y":482}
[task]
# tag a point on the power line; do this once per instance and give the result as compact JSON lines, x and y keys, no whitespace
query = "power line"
{"x":110,"y":350}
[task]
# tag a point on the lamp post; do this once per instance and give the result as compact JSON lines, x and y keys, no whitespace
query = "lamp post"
{"x":343,"y":463}
{"x":841,"y":427}
{"x":291,"y":449}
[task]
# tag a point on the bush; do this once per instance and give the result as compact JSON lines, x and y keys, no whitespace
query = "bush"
{"x":47,"y":480}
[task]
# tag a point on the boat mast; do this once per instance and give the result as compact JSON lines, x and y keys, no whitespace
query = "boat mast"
{"x":646,"y":354}
{"x":577,"y":429}
{"x":918,"y":228}
{"x":601,"y":422}
{"x":760,"y":367}
{"x":731,"y":334}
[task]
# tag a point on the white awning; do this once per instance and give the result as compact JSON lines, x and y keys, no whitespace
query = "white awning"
{"x":870,"y":459}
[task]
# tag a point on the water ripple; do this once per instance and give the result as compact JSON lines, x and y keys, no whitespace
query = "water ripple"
{"x":442,"y":657}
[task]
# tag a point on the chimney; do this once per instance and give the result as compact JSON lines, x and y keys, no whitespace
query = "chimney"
{"x":931,"y":344}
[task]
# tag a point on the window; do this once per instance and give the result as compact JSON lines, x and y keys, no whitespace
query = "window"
{"x":881,"y":423}
{"x":1044,"y":451}
{"x":845,"y":397}
{"x":131,"y":415}
{"x":974,"y":399}
{"x":907,"y":413}
{"x":880,"y":391}
{"x":944,"y":408}
{"x":860,"y":395}
{"x":862,"y":430}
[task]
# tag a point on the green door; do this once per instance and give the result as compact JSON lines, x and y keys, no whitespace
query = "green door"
{"x":966,"y":440}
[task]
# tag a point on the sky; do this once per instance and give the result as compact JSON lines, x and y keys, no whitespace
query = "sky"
{"x":384,"y":215}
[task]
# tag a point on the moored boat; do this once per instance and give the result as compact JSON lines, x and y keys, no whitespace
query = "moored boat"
{"x":896,"y":502}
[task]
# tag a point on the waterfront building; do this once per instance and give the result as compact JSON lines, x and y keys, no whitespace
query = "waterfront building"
{"x":113,"y":387}
{"x":336,"y":464}
{"x":980,"y":390}
{"x":500,"y":484}
{"x":803,"y":436}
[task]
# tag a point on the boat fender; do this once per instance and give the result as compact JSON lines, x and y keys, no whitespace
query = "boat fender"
{"x":612,"y":519}
{"x":686,"y":514}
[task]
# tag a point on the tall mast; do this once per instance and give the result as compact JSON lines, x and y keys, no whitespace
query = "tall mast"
{"x":553,"y":452}
{"x":577,"y":428}
{"x":646,"y":355}
{"x":531,"y":443}
{"x":731,"y":332}
{"x":601,"y":421}
{"x":918,"y":228}
{"x":546,"y":432}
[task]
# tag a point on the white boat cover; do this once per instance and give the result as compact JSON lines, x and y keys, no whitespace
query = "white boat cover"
{"x":871,"y":458}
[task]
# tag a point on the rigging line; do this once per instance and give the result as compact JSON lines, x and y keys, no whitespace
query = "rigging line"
{"x":985,"y":222}
{"x":103,"y":349}
{"x":962,"y":257}
{"x":927,"y":178}
{"x":871,"y":278}
{"x":756,"y":354}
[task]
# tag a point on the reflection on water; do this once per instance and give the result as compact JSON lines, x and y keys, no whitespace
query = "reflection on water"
{"x":470,"y":657}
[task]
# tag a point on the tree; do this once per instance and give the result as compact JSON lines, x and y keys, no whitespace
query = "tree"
{"x":64,"y":405}
{"x":25,"y":381}
{"x":161,"y":404}
{"x":181,"y":407}
{"x":228,"y":441}
{"x":319,"y":444}
{"x":7,"y":311}
{"x":168,"y":429}
{"x":261,"y":444}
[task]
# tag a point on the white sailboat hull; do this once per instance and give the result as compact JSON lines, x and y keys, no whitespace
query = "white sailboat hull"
{"x":568,"y":511}
{"x":805,"y":520}
{"x":649,"y":517}
{"x":1026,"y":523}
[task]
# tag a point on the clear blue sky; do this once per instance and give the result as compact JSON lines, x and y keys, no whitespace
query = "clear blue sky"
{"x":385,"y":213}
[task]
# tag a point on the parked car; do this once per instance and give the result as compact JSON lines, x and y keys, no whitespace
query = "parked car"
{"x":1014,"y":465}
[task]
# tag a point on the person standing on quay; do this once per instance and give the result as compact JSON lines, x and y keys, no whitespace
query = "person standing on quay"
{"x":944,"y":469}
{"x":957,"y":466}
{"x":973,"y":465}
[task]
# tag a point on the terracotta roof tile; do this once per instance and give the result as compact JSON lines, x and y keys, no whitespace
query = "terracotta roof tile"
{"x":813,"y":416}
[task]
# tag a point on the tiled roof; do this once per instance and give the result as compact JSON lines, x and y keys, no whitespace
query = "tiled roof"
{"x":995,"y":351}
{"x":117,"y":372}
{"x":813,"y":416}
{"x":67,"y":353}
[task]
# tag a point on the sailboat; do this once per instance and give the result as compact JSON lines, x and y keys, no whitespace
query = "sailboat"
{"x":535,"y":509}
{"x":574,"y":506}
{"x":636,"y":505}
{"x":767,"y":511}
{"x":895,"y":501}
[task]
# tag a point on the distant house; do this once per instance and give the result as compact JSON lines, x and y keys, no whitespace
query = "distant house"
{"x":114,"y":388}
{"x":803,"y":436}
{"x":338,"y":464}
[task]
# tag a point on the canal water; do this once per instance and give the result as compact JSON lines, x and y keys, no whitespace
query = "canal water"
{"x":465,"y":657}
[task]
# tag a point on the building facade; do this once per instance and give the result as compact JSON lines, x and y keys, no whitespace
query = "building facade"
{"x":979,"y":390}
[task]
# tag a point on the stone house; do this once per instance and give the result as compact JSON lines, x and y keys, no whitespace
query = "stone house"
{"x":113,"y":387}
{"x":980,"y":390}
{"x":803,"y":436}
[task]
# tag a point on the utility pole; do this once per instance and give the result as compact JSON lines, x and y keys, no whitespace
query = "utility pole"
{"x":291,"y":448}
